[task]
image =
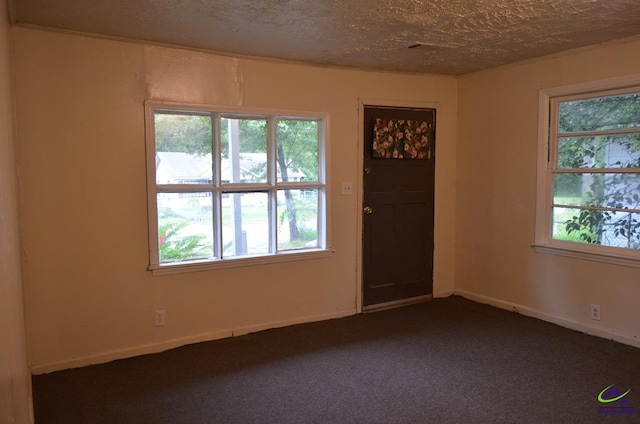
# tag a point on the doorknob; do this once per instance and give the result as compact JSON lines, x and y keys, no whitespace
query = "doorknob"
{"x":367,"y":210}
{"x":367,"y":170}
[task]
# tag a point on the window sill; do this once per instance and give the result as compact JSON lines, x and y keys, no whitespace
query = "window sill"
{"x":195,"y":266}
{"x":570,"y":252}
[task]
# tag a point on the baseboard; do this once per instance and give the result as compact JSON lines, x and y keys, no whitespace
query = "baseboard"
{"x":174,"y":343}
{"x":443,"y":294}
{"x":240,"y":331}
{"x":113,"y":355}
{"x":555,"y":319}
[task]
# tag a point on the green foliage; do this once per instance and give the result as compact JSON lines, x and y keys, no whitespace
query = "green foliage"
{"x":610,"y":190}
{"x":591,"y":224}
{"x":252,"y":134}
{"x":306,"y":215}
{"x":173,"y":246}
{"x":296,"y":147}
{"x":183,"y":133}
{"x":587,"y":226}
{"x":601,"y":113}
{"x":575,"y":235}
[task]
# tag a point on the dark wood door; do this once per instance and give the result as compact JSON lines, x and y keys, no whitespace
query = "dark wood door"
{"x":397,"y":216}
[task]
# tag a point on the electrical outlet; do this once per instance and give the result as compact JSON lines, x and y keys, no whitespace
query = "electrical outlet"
{"x":160,"y":317}
{"x":595,"y":312}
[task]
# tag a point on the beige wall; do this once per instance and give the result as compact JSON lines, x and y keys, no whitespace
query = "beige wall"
{"x":80,"y":128}
{"x":15,"y":384}
{"x":495,"y":210}
{"x":89,"y":297}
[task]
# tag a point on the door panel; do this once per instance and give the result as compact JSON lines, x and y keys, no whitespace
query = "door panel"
{"x":379,"y":244}
{"x":398,"y":230}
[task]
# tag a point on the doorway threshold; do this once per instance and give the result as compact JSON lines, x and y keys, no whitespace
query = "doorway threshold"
{"x":396,"y":303}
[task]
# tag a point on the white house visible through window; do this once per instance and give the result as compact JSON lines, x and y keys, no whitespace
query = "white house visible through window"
{"x":229,"y":186}
{"x":590,"y":195}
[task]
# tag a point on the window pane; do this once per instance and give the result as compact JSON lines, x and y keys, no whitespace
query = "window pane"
{"x":615,"y":229}
{"x":297,"y":150}
{"x":183,"y":149}
{"x":620,"y":191}
{"x":185,"y":230}
{"x":600,"y":114}
{"x":610,"y":151}
{"x":297,"y":219}
{"x":243,"y":149}
{"x":245,"y":224}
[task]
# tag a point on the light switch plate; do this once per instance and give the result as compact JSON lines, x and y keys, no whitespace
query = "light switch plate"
{"x":347,"y":188}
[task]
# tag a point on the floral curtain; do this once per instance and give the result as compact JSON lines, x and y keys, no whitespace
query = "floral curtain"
{"x":401,"y":139}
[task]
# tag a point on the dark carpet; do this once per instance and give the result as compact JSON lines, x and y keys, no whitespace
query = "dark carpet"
{"x":445,"y":361}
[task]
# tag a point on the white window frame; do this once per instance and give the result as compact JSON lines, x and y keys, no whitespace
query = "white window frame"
{"x":272,"y":185}
{"x":547,"y":150}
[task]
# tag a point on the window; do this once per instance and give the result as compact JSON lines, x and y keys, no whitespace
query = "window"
{"x":589,"y":179}
{"x":229,"y":188}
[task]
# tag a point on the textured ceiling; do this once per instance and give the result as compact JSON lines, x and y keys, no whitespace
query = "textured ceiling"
{"x":453,"y":36}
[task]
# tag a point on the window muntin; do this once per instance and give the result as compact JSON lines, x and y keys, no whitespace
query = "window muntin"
{"x":594,"y":170}
{"x":228,"y":186}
